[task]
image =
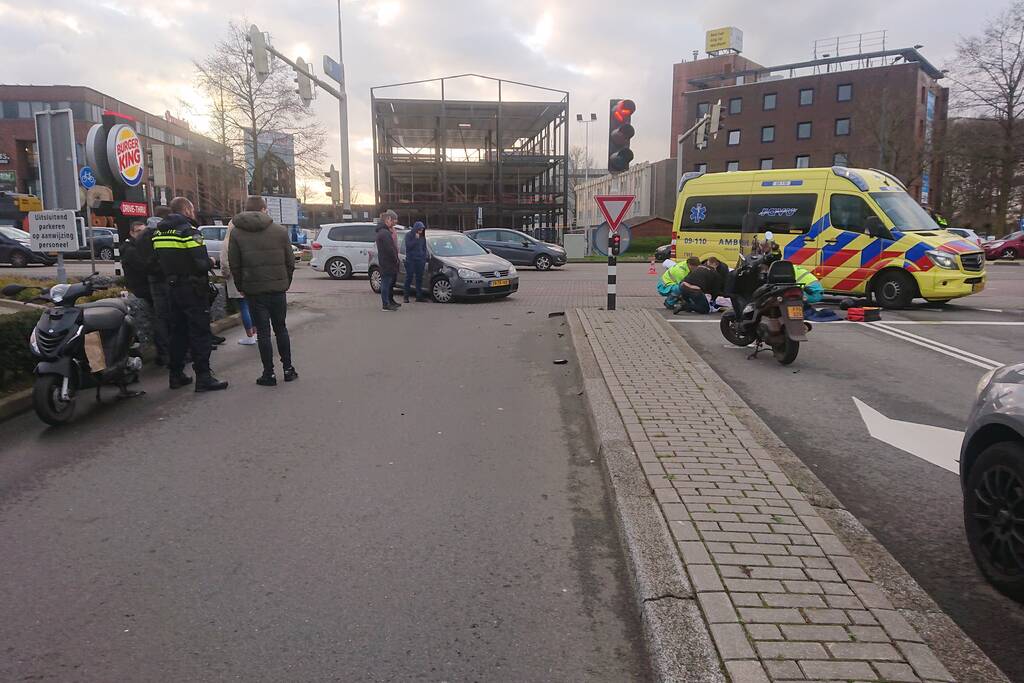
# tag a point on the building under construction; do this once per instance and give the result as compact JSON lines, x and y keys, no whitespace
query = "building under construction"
{"x":460,"y":164}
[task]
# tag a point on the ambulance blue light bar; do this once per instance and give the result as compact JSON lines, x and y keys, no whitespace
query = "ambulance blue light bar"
{"x":852,"y":176}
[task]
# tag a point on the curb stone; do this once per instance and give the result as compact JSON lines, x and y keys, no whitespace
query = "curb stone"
{"x":678,"y":642}
{"x":21,"y":401}
{"x":961,"y":656}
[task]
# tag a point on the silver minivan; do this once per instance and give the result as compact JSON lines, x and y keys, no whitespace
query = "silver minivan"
{"x":342,"y":249}
{"x":213,"y":237}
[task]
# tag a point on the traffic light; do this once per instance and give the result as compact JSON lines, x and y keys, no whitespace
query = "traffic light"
{"x":333,"y":185}
{"x":305,"y":88}
{"x":700,"y":136}
{"x":620,"y":132}
{"x":717,"y":120}
{"x":260,"y":54}
{"x":616,"y":242}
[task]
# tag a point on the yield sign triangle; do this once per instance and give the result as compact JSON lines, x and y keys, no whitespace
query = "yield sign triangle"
{"x":614,"y":207}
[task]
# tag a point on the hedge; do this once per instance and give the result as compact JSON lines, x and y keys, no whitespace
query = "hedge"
{"x":16,"y":359}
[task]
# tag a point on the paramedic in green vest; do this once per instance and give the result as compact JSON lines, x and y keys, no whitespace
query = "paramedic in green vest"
{"x":813,"y":291}
{"x":674,"y":274}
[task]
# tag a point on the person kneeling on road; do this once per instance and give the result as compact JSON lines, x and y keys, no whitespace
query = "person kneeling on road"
{"x":813,"y":291}
{"x":673,"y":277}
{"x":703,"y":281}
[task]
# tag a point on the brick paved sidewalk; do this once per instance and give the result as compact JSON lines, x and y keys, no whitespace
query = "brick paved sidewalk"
{"x":782,"y":597}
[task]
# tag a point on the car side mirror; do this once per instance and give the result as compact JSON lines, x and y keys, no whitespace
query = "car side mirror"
{"x":874,"y":227}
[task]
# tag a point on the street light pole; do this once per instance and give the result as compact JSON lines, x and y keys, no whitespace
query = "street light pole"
{"x":346,"y":184}
{"x":586,"y":147}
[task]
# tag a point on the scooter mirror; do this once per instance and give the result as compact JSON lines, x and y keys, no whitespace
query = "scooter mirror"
{"x":11,"y":290}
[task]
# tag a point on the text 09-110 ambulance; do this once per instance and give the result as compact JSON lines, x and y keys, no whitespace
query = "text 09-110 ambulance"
{"x":857,"y":230}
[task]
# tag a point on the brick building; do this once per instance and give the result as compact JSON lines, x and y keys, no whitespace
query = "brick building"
{"x":880,"y":109}
{"x":195,"y":166}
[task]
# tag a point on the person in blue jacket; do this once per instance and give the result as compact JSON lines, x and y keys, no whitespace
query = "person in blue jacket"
{"x":415,"y":259}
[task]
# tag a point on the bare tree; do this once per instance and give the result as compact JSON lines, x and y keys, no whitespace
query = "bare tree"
{"x":258,"y":120}
{"x":886,"y":119}
{"x":989,"y":71}
{"x":307,"y":192}
{"x":578,"y":161}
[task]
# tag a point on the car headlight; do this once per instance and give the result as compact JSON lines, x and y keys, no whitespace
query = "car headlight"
{"x":467,"y":274}
{"x":942,"y":259}
{"x":983,"y":382}
{"x":995,"y":244}
{"x":512,"y":270}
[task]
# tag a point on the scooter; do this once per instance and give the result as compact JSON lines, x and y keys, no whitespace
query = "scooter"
{"x":767,"y":305}
{"x":80,"y":346}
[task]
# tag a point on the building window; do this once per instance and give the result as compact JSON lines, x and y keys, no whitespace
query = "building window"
{"x":803,"y":130}
{"x":768,"y":102}
{"x":806,"y":97}
{"x":803,"y":161}
{"x":734,"y":138}
{"x":732,"y":166}
{"x":767,"y":164}
{"x":842,"y":126}
{"x":703,"y":108}
{"x":840,"y":159}
{"x":768,"y":134}
{"x":844,"y":92}
{"x":736,"y":105}
{"x":701,"y":168}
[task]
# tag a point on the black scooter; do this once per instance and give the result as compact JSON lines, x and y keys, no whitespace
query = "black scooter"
{"x":767,"y":306}
{"x":67,"y":336}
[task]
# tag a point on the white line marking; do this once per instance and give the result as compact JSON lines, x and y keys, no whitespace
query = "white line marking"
{"x":951,"y":351}
{"x":950,"y":322}
{"x":991,"y":310}
{"x":937,"y":445}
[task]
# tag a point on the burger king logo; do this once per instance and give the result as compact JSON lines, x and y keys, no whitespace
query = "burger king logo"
{"x":124,"y":152}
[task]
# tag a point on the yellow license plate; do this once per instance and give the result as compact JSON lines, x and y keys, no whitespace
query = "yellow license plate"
{"x":977,"y":287}
{"x":500,"y":283}
{"x":796,"y":312}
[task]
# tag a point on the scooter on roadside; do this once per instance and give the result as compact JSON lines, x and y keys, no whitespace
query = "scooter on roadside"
{"x":79,"y":347}
{"x":767,"y":303}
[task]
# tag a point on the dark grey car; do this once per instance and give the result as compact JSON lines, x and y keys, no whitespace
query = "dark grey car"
{"x":992,"y":476}
{"x":519,"y":248}
{"x":458,"y":268}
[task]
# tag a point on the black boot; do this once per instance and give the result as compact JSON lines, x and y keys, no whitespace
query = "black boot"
{"x":289,"y":374}
{"x":208,"y":382}
{"x":267,"y":380}
{"x":217,"y":339}
{"x":179,"y":379}
{"x":406,"y":298}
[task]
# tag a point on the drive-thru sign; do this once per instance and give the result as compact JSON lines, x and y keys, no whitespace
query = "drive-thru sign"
{"x":613,"y":207}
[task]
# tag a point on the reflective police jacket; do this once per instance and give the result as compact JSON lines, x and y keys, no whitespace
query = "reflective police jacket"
{"x":675,"y":274}
{"x":178,"y":248}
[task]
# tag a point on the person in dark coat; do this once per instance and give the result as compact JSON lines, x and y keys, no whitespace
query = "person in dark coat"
{"x":387,"y":259}
{"x":262,"y":265}
{"x":135,"y":260}
{"x":415,"y":259}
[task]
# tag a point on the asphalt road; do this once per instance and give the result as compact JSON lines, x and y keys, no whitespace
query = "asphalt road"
{"x":912,"y":506}
{"x":423,"y":503}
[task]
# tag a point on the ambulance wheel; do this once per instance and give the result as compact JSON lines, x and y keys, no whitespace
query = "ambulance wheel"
{"x":894,"y":289}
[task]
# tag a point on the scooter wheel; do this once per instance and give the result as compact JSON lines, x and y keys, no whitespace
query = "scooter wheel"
{"x":786,"y":352}
{"x":727,"y":324}
{"x":47,"y":402}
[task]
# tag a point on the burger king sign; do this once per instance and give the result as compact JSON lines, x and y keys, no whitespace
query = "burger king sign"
{"x":124,"y":153}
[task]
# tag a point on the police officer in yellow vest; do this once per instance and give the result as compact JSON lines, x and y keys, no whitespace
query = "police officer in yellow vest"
{"x":178,"y":248}
{"x":674,"y":274}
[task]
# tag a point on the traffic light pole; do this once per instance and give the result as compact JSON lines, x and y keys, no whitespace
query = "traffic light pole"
{"x":612,"y":268}
{"x":346,"y":184}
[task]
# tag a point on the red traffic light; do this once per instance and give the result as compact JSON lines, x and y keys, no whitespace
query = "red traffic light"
{"x":623,"y":110}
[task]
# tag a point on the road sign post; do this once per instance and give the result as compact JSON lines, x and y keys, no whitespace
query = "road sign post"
{"x":613,"y":207}
{"x":87,"y":179}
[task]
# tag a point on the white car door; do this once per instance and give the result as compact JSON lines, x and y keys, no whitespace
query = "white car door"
{"x":360,"y":239}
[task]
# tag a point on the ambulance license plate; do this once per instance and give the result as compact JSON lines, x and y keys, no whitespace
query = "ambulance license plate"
{"x":500,"y":283}
{"x":796,"y":312}
{"x":977,"y":287}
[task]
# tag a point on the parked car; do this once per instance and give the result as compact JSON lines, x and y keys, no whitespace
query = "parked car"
{"x":458,"y":268}
{"x":1009,"y":247}
{"x":213,"y":238}
{"x":663,"y":252}
{"x":343,"y":249}
{"x":103,"y":240}
{"x":15,"y":249}
{"x":967,"y":234}
{"x":992,"y":477}
{"x":519,"y":248}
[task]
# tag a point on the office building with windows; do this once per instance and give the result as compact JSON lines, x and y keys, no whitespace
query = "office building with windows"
{"x":193,"y":165}
{"x":878,"y":109}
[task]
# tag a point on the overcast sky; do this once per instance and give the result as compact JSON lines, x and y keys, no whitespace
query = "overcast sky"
{"x":141,"y":51}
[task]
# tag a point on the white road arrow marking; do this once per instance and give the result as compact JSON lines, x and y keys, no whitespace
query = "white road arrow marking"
{"x":937,"y":445}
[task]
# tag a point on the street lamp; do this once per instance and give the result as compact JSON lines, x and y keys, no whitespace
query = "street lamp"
{"x":586,"y":148}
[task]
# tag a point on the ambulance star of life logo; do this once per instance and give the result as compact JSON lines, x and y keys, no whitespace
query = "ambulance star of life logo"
{"x":698,"y":212}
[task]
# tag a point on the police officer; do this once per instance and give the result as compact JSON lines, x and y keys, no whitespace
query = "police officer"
{"x":179,"y":250}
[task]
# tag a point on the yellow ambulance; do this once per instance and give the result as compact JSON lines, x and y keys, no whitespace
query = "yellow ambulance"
{"x":857,"y":230}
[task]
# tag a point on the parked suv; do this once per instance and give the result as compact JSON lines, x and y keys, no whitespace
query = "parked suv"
{"x":342,"y":249}
{"x":213,"y":238}
{"x":992,"y":477}
{"x":519,"y":248}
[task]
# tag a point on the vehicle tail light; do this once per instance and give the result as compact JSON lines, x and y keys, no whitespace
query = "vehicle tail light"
{"x":794,"y":293}
{"x":316,"y":245}
{"x":672,"y":249}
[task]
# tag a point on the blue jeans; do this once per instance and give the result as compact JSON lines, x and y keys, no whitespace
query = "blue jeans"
{"x":695,"y":301}
{"x":387,"y":284}
{"x":414,"y":268}
{"x":243,"y":310}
